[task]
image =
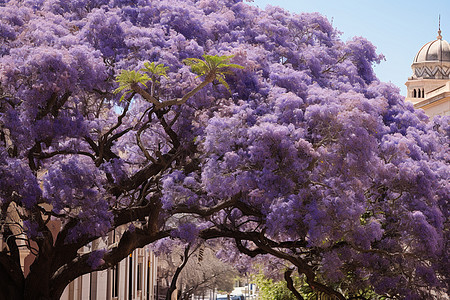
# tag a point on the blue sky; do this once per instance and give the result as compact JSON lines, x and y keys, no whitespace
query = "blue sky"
{"x":398,"y":28}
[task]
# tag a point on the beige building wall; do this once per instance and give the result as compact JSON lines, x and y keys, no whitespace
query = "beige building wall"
{"x":436,"y":100}
{"x":134,"y":278}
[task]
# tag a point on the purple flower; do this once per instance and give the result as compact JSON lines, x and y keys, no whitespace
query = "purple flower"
{"x":95,"y":258}
{"x":187,"y":232}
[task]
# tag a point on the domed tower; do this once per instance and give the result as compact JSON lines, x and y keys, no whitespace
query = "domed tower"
{"x":429,"y":86}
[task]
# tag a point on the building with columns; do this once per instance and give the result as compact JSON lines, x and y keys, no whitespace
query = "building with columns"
{"x":133,"y":278}
{"x":429,"y":86}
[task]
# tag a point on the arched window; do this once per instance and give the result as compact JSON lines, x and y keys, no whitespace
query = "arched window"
{"x":423,"y":93}
{"x":414,"y":93}
{"x":419,"y":95}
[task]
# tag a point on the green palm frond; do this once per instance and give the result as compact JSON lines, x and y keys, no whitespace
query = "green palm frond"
{"x":128,"y":78}
{"x":198,"y":66}
{"x":155,"y":70}
{"x":213,"y":64}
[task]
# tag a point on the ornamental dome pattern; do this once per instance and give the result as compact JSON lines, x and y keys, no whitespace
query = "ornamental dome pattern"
{"x":437,"y":50}
{"x":433,"y":60}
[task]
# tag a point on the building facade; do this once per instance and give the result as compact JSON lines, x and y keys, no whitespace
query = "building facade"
{"x":429,"y":86}
{"x":134,"y":278}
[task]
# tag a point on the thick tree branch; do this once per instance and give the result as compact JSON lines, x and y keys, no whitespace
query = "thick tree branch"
{"x":45,"y":155}
{"x":205,"y":212}
{"x":12,"y":279}
{"x":137,"y":89}
{"x":53,"y":105}
{"x":290,"y":284}
{"x":141,"y":145}
{"x":144,"y":174}
{"x":67,"y":251}
{"x":82,"y":265}
{"x":12,"y":245}
{"x":173,"y":136}
{"x":246,"y":251}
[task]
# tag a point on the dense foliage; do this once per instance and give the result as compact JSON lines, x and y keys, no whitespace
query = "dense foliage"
{"x":268,"y":289}
{"x":303,"y":154}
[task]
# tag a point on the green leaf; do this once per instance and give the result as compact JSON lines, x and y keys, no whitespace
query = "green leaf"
{"x":155,"y":70}
{"x":218,"y":65}
{"x":235,"y":66}
{"x":128,"y":78}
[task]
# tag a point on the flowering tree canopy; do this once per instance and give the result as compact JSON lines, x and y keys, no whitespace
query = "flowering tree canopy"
{"x":212,"y":118}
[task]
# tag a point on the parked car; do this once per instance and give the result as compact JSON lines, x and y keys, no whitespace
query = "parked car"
{"x":232,"y":297}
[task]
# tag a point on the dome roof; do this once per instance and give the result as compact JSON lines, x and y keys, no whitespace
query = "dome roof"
{"x":434,"y":51}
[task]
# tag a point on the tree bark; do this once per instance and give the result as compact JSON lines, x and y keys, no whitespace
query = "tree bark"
{"x":290,"y":284}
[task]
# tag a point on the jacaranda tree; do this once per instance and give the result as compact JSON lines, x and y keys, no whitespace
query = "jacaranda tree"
{"x":213,"y":119}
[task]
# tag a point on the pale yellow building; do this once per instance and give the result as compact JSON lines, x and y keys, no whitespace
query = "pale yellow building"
{"x":133,"y":278}
{"x":429,"y":86}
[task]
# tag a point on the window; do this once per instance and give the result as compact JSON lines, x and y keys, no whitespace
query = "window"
{"x":139,"y":277}
{"x":130,"y":277}
{"x":148,"y":281}
{"x":115,"y":281}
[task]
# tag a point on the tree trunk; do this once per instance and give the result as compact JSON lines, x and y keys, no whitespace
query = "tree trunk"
{"x":11,"y":276}
{"x":173,"y":284}
{"x":8,"y":288}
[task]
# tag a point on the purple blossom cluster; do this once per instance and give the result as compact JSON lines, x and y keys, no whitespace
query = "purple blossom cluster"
{"x":186,"y":232}
{"x":95,"y":258}
{"x":73,"y":188}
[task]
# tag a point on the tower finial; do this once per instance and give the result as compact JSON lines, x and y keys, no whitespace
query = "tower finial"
{"x":439,"y":37}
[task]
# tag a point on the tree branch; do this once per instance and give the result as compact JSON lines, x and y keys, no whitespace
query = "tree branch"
{"x":205,"y":212}
{"x":144,"y":174}
{"x":137,"y":89}
{"x":173,"y":284}
{"x":80,"y":265}
{"x":45,"y":155}
{"x":290,"y":284}
{"x":178,"y":101}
